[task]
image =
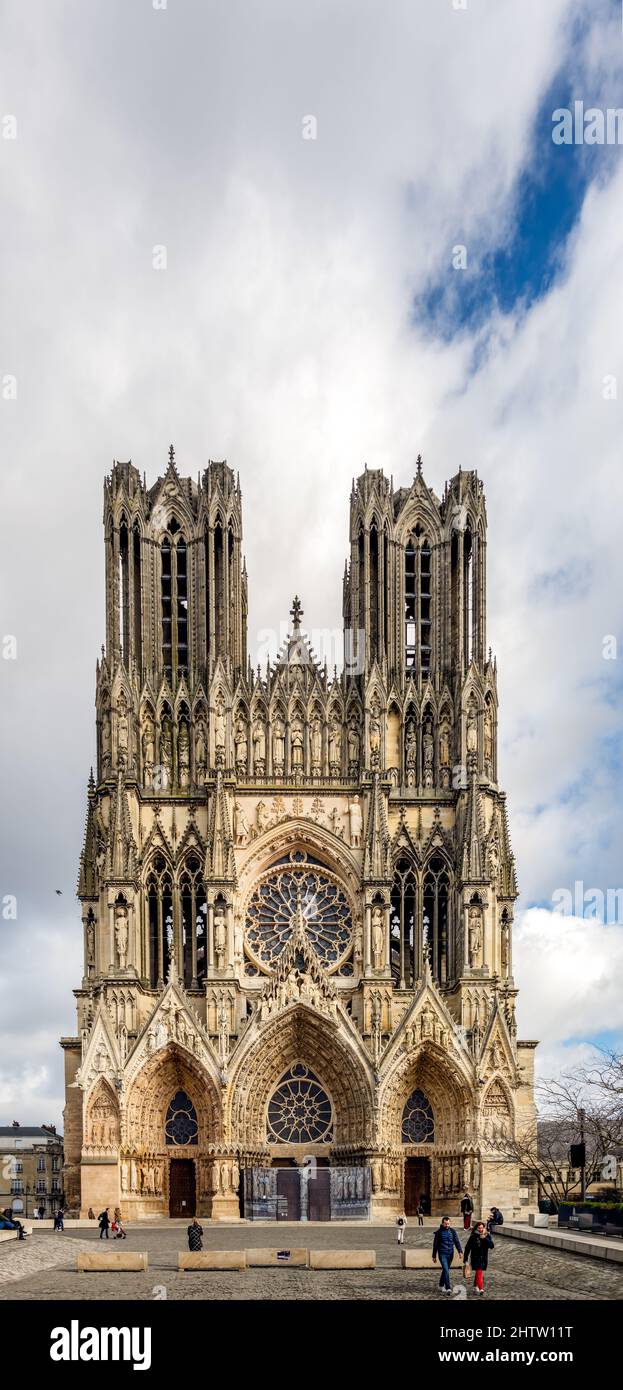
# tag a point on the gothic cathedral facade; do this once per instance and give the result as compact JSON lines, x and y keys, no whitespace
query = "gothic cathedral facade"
{"x":297,"y":886}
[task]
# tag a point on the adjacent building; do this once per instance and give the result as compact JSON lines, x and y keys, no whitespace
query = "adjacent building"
{"x":31,"y":1169}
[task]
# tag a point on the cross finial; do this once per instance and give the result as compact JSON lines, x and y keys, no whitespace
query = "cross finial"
{"x":419,"y":465}
{"x":171,"y":454}
{"x":296,"y":613}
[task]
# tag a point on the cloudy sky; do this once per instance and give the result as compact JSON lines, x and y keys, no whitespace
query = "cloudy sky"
{"x":310,"y":319}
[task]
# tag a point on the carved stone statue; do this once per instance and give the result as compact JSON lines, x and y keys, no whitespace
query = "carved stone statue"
{"x":148,"y":743}
{"x":220,"y":936}
{"x":355,"y":819}
{"x":444,"y":743}
{"x":335,"y":744}
{"x":296,"y":744}
{"x":241,"y":825}
{"x":505,"y":946}
{"x":428,"y":754}
{"x":166,"y":750}
{"x":259,"y":746}
{"x":122,"y":730}
{"x":488,"y":737}
{"x":354,"y":744}
{"x":121,"y":934}
{"x":183,"y":755}
{"x":106,"y":743}
{"x":201,"y":750}
{"x":279,"y":743}
{"x":219,"y":732}
{"x":472,"y":729}
{"x":260,"y":817}
{"x":241,"y":744}
{"x":90,"y":942}
{"x":475,"y":937}
{"x":316,"y":744}
{"x":378,"y":938}
{"x":375,"y":734}
{"x":410,"y":744}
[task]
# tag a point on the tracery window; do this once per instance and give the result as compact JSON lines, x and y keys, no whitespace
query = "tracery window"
{"x":299,"y":1111}
{"x":273,"y":907}
{"x":418,"y":1125}
{"x":160,"y":910}
{"x":181,"y":1125}
{"x":436,"y":899}
{"x":405,"y":952}
{"x":194,"y":918}
{"x":418,"y":598}
{"x":174,"y":599}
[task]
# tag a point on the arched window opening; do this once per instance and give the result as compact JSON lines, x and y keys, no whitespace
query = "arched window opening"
{"x":468,"y":596}
{"x":124,"y":594}
{"x":418,"y":1124}
{"x":138,"y":610}
{"x":361,"y":555}
{"x":418,"y":600}
{"x":181,"y":1126}
{"x":174,"y":598}
{"x":219,"y":616}
{"x":160,"y":910}
{"x":436,"y":899}
{"x":374,"y":593}
{"x":194,"y":930}
{"x":405,"y":949}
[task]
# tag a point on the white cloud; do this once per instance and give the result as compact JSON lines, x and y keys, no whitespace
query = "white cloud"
{"x":570,"y":976}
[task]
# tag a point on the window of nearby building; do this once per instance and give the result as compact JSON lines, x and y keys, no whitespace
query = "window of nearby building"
{"x":41,"y":1164}
{"x":17,"y":1185}
{"x":41,"y":1185}
{"x":55,"y":1164}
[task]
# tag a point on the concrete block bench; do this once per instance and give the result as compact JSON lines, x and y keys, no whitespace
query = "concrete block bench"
{"x":276,"y":1259}
{"x":539,"y":1219}
{"x":418,"y":1259}
{"x":342,"y":1259}
{"x":212,"y":1259}
{"x":111,"y":1260}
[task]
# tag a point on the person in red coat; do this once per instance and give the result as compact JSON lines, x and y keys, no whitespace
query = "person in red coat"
{"x":477,"y":1252}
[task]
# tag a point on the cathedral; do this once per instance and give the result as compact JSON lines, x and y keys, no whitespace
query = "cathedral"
{"x":297,"y":884}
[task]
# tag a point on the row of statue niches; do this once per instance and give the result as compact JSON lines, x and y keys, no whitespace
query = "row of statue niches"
{"x":179,"y":752}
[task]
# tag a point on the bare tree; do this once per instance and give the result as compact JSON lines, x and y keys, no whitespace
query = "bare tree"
{"x":588,"y":1098}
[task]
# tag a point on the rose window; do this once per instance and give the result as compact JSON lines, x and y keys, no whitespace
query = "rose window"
{"x":418,"y":1125}
{"x":299,"y":1111}
{"x":272,"y":911}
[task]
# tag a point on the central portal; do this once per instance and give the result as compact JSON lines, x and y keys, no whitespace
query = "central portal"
{"x":182,"y":1199}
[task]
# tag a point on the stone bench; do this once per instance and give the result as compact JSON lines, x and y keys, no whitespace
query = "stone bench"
{"x":418,"y":1259}
{"x":342,"y":1259}
{"x":276,"y":1259}
{"x":109,"y":1260}
{"x":212,"y":1259}
{"x":539,"y":1219}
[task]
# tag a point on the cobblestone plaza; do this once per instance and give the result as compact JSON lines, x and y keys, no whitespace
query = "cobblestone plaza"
{"x":43,"y":1267}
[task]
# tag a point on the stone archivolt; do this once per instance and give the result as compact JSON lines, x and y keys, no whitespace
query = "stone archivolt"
{"x":371,"y":794}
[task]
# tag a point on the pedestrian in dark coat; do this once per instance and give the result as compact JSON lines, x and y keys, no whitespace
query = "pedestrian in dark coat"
{"x":104,"y":1222}
{"x":195,"y":1232}
{"x":444,"y":1245}
{"x":477,"y":1252}
{"x":467,"y":1207}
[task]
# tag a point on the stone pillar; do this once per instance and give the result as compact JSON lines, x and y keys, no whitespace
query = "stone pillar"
{"x":367,"y":939}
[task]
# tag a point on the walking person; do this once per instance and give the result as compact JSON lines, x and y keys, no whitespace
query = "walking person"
{"x":444,"y":1245}
{"x":59,"y":1220}
{"x":467,"y":1207}
{"x":420,"y":1214}
{"x":104,"y":1222}
{"x":195,"y":1232}
{"x":401,"y":1226}
{"x":477,"y":1252}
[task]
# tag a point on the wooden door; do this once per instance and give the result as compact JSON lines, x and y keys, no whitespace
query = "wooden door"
{"x":288,"y":1194}
{"x":319,"y":1190}
{"x":182,"y":1187}
{"x":417,"y":1185}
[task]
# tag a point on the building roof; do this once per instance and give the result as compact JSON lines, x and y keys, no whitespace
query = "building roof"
{"x":26,"y":1132}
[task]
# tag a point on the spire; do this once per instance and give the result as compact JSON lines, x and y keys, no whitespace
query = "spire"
{"x":472,"y":839}
{"x":87,"y":886}
{"x":419,"y":465}
{"x":296,"y":613}
{"x":377,"y":866}
{"x":221,"y":866}
{"x":121,"y":850}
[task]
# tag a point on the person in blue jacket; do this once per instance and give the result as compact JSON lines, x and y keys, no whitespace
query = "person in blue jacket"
{"x":444,"y":1245}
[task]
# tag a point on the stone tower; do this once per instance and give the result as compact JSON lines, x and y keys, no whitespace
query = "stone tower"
{"x":297,"y":889}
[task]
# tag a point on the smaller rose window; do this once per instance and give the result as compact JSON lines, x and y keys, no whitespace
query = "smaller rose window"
{"x":299,"y":1111}
{"x":418,"y":1125}
{"x":181,"y":1123}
